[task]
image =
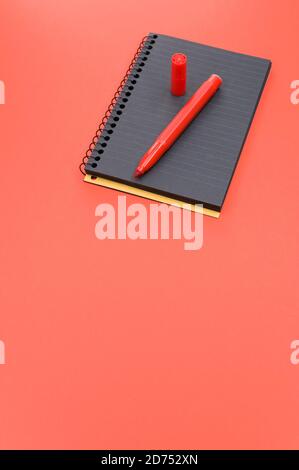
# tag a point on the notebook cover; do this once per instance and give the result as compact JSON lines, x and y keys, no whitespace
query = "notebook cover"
{"x":198,"y":168}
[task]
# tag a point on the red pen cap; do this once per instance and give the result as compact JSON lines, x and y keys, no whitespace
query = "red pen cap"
{"x":178,"y":74}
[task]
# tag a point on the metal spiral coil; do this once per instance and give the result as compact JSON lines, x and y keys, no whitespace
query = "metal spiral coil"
{"x":147,"y":39}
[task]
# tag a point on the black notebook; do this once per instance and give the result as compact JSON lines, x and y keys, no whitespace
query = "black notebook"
{"x":199,"y":166}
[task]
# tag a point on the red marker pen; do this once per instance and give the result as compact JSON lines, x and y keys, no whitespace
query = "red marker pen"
{"x":178,"y":124}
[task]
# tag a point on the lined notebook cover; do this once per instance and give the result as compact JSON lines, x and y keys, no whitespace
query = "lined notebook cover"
{"x":198,"y":168}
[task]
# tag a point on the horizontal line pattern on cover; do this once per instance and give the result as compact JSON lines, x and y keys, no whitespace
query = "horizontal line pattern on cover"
{"x":199,"y":166}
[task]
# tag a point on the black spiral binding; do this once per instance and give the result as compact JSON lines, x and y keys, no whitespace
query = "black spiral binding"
{"x":145,"y":46}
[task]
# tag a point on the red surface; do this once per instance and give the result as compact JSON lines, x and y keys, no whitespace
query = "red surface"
{"x":178,"y":74}
{"x":92,"y":361}
{"x":178,"y":124}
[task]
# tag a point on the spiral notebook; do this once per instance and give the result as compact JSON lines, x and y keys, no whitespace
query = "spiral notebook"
{"x":199,"y":167}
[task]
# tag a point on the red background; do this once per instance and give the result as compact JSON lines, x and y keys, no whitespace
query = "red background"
{"x":92,"y":359}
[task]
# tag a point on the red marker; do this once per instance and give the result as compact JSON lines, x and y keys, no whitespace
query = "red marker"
{"x":178,"y":124}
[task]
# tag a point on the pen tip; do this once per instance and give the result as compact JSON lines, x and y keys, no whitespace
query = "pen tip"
{"x":137,"y":173}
